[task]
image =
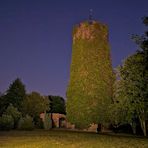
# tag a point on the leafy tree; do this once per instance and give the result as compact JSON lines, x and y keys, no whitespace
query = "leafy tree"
{"x":90,"y":88}
{"x":120,"y":111}
{"x":57,"y":104}
{"x":34,"y":104}
{"x":16,"y":93}
{"x":133,"y":89}
{"x":142,"y":41}
{"x":16,"y":115}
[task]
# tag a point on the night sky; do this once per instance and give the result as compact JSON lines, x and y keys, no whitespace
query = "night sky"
{"x":36,"y":38}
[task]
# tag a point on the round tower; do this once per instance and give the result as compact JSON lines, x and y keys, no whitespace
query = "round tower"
{"x":91,"y":77}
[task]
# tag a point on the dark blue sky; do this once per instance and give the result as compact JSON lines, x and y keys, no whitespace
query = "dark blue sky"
{"x":36,"y":38}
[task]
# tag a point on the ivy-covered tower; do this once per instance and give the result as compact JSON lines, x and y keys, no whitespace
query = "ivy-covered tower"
{"x":90,"y":87}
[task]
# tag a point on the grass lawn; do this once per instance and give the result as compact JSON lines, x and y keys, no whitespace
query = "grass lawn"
{"x":68,"y":139}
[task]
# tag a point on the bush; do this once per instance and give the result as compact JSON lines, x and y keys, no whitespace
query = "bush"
{"x":47,"y":122}
{"x":13,"y":111}
{"x":26,"y":123}
{"x":38,"y":122}
{"x":6,"y":122}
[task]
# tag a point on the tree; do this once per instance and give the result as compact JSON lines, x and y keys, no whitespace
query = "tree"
{"x":3,"y":104}
{"x":132,"y":92}
{"x":89,"y":91}
{"x":121,"y":110}
{"x":57,"y":104}
{"x":134,"y":88}
{"x":34,"y":104}
{"x":142,"y":41}
{"x":16,"y":93}
{"x":131,"y":95}
{"x":16,"y":115}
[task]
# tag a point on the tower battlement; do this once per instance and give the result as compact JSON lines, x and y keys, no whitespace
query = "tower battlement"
{"x":90,"y":31}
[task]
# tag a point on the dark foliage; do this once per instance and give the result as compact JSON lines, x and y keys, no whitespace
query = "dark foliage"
{"x":26,"y":123}
{"x":6,"y":122}
{"x":3,"y":104}
{"x":57,"y":105}
{"x":15,"y":94}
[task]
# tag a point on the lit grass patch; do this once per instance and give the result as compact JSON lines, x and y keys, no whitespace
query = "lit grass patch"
{"x":68,"y":139}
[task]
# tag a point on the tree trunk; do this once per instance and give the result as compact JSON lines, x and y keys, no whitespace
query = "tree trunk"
{"x":52,"y":123}
{"x":99,"y":128}
{"x":133,"y":125}
{"x":143,"y":126}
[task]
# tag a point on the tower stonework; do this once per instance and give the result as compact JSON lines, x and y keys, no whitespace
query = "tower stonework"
{"x":91,"y":74}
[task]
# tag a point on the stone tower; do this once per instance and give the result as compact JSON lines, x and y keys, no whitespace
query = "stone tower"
{"x":91,"y":77}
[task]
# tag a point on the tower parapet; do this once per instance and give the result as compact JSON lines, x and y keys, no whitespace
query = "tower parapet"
{"x":86,"y":31}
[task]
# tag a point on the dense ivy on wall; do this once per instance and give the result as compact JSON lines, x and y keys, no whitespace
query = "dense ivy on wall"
{"x":91,"y":77}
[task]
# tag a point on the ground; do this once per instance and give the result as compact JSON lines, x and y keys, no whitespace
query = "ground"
{"x":68,"y":139}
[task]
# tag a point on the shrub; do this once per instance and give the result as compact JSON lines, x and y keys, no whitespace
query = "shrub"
{"x":38,"y":122}
{"x":26,"y":123}
{"x":6,"y":122}
{"x":13,"y":111}
{"x":47,"y":121}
